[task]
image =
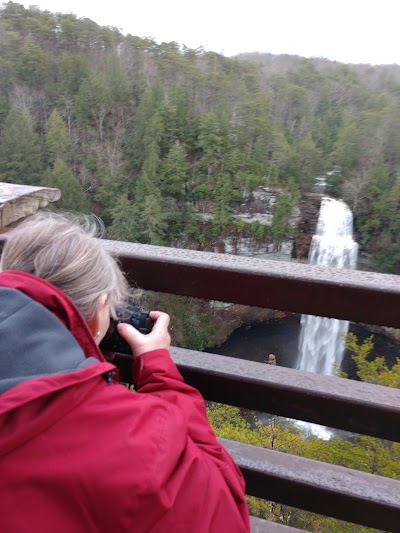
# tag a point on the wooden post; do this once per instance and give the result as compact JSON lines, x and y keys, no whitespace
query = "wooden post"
{"x":20,"y":201}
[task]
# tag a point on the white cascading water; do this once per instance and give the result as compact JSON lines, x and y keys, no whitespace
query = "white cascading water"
{"x":321,"y":345}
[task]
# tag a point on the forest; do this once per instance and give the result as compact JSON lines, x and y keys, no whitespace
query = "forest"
{"x":140,"y":133}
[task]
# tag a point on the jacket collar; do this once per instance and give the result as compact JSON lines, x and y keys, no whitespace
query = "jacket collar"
{"x":57,"y":303}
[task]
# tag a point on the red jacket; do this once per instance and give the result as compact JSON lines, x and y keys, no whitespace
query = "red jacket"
{"x":80,"y":455}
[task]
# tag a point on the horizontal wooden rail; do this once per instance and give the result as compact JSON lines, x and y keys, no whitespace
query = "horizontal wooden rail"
{"x":331,"y":490}
{"x":338,"y":403}
{"x":363,"y":297}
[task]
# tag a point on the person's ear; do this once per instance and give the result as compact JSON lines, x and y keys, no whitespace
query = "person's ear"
{"x":102,"y":317}
{"x":95,"y":322}
{"x":101,"y":302}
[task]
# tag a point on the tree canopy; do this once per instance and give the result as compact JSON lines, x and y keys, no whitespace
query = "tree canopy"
{"x":126,"y":114}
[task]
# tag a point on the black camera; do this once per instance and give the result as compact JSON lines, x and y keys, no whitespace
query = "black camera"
{"x":129,"y":314}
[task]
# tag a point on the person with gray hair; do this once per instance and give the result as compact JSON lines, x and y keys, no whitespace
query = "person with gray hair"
{"x":78,"y":451}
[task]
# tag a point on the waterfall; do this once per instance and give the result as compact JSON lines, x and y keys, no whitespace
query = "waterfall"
{"x":321,"y":344}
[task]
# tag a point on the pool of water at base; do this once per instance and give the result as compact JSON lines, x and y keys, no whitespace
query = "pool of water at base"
{"x":280,"y":337}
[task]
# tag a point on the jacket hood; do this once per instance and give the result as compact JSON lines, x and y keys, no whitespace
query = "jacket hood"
{"x":41,"y":331}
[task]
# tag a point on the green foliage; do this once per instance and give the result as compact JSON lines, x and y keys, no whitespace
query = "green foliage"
{"x":378,"y":178}
{"x":181,"y":122}
{"x":247,"y":182}
{"x":388,"y":259}
{"x":261,"y":231}
{"x":214,"y":141}
{"x":57,"y":142}
{"x":376,"y":371}
{"x":240,"y":225}
{"x":191,"y":224}
{"x":196,"y":331}
{"x":152,"y":223}
{"x":128,"y":115}
{"x":223,"y":195}
{"x":72,"y":195}
{"x":306,"y":162}
{"x":33,"y":65}
{"x":347,"y":149}
{"x":281,"y":223}
{"x":19,"y":149}
{"x":146,"y":223}
{"x":380,"y":222}
{"x":258,"y":230}
{"x":361,"y":452}
{"x":195,"y":326}
{"x":123,"y":226}
{"x":143,"y":127}
{"x":73,"y":67}
{"x":175,"y":172}
{"x":213,"y":135}
{"x":202,"y":191}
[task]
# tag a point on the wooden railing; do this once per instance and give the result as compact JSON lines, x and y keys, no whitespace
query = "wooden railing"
{"x":370,"y":298}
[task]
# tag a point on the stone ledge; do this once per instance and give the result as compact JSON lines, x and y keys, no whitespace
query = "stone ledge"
{"x":20,"y":201}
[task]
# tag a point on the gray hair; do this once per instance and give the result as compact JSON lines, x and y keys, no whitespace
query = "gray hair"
{"x":62,"y":249}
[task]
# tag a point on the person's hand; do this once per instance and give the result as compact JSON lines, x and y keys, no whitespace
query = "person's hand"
{"x":157,"y":339}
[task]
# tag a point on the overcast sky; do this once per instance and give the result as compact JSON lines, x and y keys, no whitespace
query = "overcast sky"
{"x":349,"y":31}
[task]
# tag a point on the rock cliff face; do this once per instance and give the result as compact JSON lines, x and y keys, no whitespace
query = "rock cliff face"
{"x":309,"y":207}
{"x":259,"y":206}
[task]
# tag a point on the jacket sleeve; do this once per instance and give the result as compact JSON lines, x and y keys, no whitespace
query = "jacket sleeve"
{"x":206,"y":462}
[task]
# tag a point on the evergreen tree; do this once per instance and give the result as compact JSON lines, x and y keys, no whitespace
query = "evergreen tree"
{"x":153,"y":220}
{"x":347,"y":151}
{"x":175,"y":171}
{"x":308,"y":163}
{"x":56,"y":142}
{"x":72,"y":195}
{"x":144,"y":222}
{"x":73,"y":67}
{"x":101,"y":102}
{"x":223,"y":195}
{"x":148,"y":180}
{"x":179,"y":119}
{"x":19,"y":149}
{"x":214,"y":141}
{"x":378,"y":179}
{"x":84,"y":103}
{"x":123,"y":226}
{"x":139,"y":133}
{"x":281,"y":223}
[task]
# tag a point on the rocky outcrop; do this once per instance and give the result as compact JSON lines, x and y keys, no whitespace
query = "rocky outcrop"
{"x":391,"y":333}
{"x":259,"y":207}
{"x":20,"y":201}
{"x":309,"y":207}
